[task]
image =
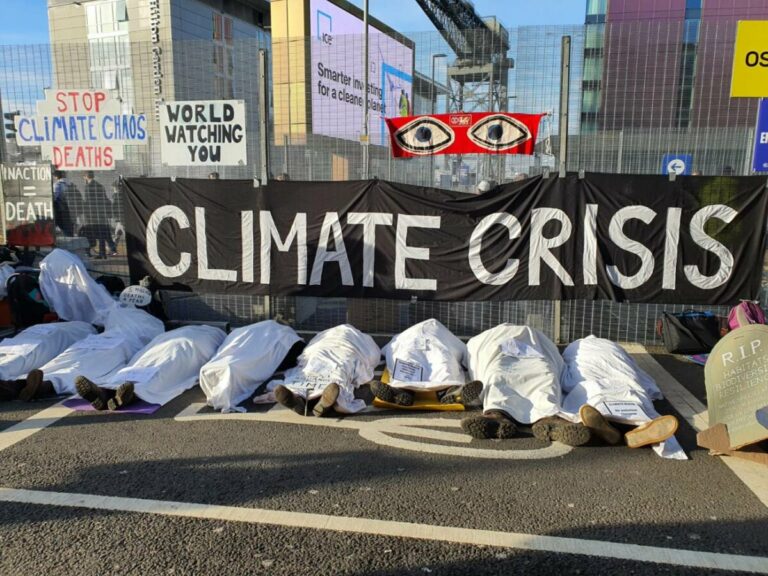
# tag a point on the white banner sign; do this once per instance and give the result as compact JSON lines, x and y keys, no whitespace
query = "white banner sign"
{"x":203,"y":133}
{"x":81,"y":129}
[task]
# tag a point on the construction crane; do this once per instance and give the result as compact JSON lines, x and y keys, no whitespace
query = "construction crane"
{"x":479,"y":77}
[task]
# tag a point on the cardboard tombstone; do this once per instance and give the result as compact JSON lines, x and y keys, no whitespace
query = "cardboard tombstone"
{"x":736,"y":376}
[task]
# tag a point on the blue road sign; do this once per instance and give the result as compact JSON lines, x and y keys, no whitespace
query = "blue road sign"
{"x":678,"y":164}
{"x":760,"y":157}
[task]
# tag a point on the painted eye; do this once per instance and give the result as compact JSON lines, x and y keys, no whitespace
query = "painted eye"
{"x":425,"y":136}
{"x":498,"y":132}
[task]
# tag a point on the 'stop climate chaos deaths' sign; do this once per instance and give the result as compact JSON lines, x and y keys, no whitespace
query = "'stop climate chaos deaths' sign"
{"x":81,"y":129}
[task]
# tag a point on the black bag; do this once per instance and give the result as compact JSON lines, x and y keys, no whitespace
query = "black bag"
{"x":690,"y":332}
{"x":113,"y":284}
{"x":26,"y":300}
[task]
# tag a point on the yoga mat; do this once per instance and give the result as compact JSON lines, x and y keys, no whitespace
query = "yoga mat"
{"x":700,"y":359}
{"x":138,"y":407}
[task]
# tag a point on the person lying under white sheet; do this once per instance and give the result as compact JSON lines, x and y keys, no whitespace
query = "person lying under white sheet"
{"x":520,"y":370}
{"x":247,"y":358}
{"x":426,"y":356}
{"x":163,"y":369}
{"x":603,"y":383}
{"x":32,"y":348}
{"x":126,"y":331}
{"x":334,"y":363}
{"x":70,"y":291}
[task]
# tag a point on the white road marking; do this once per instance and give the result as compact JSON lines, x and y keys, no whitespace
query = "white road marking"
{"x":32,"y":425}
{"x":388,"y":432}
{"x":346,"y":524}
{"x":752,"y":474}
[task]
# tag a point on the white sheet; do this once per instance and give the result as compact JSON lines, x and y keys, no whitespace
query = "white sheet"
{"x":127,"y":330}
{"x":426,"y":356}
{"x":520,"y":370}
{"x":170,"y":363}
{"x":343,"y":355}
{"x":70,"y":290}
{"x":43,"y":342}
{"x":245,"y":360}
{"x":6,"y":271}
{"x":599,"y":372}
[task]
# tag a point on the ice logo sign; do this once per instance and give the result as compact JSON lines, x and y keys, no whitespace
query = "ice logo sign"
{"x":325,"y":27}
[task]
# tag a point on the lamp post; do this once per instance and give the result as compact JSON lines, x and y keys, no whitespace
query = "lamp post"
{"x":432,"y":85}
{"x":433,"y":98}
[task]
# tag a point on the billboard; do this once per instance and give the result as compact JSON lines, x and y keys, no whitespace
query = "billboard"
{"x":337,"y":75}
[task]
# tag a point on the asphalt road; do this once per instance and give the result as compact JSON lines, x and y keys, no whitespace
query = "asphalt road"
{"x":611,"y":495}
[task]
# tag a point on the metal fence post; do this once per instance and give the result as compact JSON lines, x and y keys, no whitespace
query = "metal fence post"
{"x":263,"y":118}
{"x":565,"y":88}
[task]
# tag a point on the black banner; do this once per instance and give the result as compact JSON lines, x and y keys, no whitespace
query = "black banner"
{"x":695,"y":240}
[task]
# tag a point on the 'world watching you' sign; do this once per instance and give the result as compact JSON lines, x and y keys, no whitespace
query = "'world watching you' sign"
{"x":81,"y":129}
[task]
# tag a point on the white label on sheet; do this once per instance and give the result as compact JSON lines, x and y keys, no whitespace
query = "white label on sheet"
{"x":519,"y":349}
{"x":628,"y":410}
{"x":421,"y":343}
{"x":18,"y":349}
{"x":407,"y":371}
{"x":136,"y":296}
{"x":99,"y":342}
{"x":137,"y":374}
{"x":311,"y":383}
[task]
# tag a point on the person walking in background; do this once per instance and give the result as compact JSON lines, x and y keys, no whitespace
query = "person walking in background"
{"x":213,"y":176}
{"x":98,"y":211}
{"x":67,"y":203}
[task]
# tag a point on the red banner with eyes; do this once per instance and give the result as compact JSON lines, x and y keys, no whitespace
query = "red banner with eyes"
{"x":463,"y":133}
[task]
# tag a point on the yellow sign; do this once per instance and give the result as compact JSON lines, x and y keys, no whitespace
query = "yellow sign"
{"x":750,"y":60}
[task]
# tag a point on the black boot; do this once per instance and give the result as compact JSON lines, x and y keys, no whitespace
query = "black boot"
{"x":123,"y":396}
{"x":36,"y":387}
{"x":9,"y":389}
{"x":98,"y":397}
{"x":387,"y":393}
{"x":492,"y":424}
{"x":556,"y":429}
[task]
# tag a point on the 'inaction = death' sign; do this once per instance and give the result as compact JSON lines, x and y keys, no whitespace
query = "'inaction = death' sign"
{"x":81,"y":129}
{"x":28,"y":203}
{"x":203,"y":133}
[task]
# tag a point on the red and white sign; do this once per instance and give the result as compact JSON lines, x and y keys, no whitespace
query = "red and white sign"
{"x":81,"y":129}
{"x":463,"y":133}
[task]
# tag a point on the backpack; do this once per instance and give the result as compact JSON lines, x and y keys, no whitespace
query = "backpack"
{"x":745,"y":313}
{"x":689,"y":332}
{"x":28,"y":307}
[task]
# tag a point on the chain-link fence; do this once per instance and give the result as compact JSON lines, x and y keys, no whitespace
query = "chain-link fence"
{"x":639,"y":91}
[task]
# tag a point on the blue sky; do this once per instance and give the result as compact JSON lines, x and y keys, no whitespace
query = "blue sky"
{"x":26,"y":21}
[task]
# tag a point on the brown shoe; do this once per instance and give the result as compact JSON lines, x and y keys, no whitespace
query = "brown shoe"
{"x":290,"y":400}
{"x":597,"y":423}
{"x":36,"y":387}
{"x":653,"y":432}
{"x":325,"y":405}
